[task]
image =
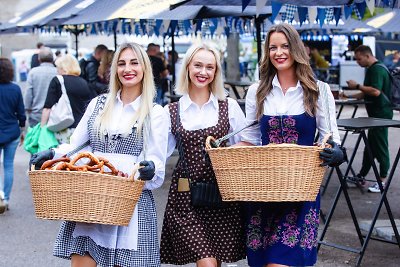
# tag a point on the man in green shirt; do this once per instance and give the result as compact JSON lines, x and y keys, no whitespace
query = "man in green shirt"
{"x":377,"y":80}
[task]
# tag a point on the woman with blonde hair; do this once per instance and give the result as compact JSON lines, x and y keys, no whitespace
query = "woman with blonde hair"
{"x":126,"y":128}
{"x":290,"y":106}
{"x":77,"y":90}
{"x":200,"y":232}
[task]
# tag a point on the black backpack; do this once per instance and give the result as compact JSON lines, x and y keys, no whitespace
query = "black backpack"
{"x":394,"y":97}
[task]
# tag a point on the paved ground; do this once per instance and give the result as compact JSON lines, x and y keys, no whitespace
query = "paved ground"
{"x":27,"y":241}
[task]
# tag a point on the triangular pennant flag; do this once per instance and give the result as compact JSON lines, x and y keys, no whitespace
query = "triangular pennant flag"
{"x":337,"y":12}
{"x":276,"y":7}
{"x":245,"y":3}
{"x":143,"y":26}
{"x":371,"y":6}
{"x":173,"y":25}
{"x":361,"y":8}
{"x":302,"y":14}
{"x":321,"y":16}
{"x":199,"y":22}
{"x":166,"y":25}
{"x":157,"y":27}
{"x":347,"y":11}
{"x":259,"y":6}
{"x":213,"y":25}
{"x":312,"y":14}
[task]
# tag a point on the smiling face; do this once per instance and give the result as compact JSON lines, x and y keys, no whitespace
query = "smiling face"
{"x":202,"y":69}
{"x":279,"y":52}
{"x":129,"y":70}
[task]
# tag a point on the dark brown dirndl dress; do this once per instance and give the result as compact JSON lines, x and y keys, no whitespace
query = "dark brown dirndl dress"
{"x":190,"y":234}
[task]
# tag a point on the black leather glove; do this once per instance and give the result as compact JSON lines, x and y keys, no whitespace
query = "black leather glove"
{"x":147,"y":171}
{"x":39,"y":158}
{"x":333,"y":156}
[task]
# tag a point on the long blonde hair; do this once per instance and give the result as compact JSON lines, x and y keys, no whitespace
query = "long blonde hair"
{"x":103,"y":121}
{"x":304,"y":72}
{"x":216,"y":86}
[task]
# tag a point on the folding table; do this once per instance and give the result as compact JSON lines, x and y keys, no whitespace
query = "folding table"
{"x":341,"y":103}
{"x":360,"y":125}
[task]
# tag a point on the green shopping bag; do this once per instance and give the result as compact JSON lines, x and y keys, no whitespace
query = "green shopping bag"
{"x":32,"y":138}
{"x":47,"y":139}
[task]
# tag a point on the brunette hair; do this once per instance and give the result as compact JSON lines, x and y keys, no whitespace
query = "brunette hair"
{"x":304,"y":71}
{"x":6,"y":70}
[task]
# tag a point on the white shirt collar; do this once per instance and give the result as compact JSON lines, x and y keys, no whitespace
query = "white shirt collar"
{"x":275,"y":83}
{"x":186,"y":102}
{"x":134,"y":105}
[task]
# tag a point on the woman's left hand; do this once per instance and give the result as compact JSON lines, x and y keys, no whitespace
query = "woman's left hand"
{"x":147,"y":170}
{"x":333,"y":156}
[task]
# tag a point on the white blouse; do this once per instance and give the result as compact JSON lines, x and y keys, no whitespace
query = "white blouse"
{"x":194,"y":117}
{"x":291,"y":103}
{"x":156,"y":147}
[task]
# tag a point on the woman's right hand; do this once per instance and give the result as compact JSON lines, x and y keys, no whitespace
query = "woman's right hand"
{"x":39,"y":158}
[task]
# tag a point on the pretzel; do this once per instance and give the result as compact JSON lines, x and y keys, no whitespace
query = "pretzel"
{"x":91,"y":156}
{"x":95,"y":164}
{"x":49,"y":163}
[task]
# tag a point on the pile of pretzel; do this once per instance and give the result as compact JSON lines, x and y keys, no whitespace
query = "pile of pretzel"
{"x":94,"y":164}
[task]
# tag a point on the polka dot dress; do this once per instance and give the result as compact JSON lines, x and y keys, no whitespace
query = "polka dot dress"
{"x":190,"y":234}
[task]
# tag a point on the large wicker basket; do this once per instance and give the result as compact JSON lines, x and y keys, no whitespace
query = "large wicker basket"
{"x":84,"y":196}
{"x":272,"y":173}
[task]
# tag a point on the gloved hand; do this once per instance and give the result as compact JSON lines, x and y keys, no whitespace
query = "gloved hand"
{"x":333,"y":156}
{"x":39,"y":158}
{"x":148,"y":170}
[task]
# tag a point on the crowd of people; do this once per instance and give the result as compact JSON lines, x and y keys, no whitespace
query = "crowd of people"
{"x":112,"y":97}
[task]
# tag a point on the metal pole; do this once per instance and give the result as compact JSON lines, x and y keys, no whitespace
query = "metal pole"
{"x":76,"y":33}
{"x":115,"y":39}
{"x":258,"y":21}
{"x":173,"y":56}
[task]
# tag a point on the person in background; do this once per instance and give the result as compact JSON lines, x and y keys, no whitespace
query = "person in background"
{"x":376,"y":83}
{"x":289,"y":107}
{"x":35,"y":57}
{"x":12,"y":124}
{"x":159,"y":70}
{"x":394,"y":61}
{"x":23,"y":71}
{"x":103,"y":72}
{"x":204,"y":235}
{"x":89,"y":69}
{"x":125,"y":127}
{"x":318,"y":64}
{"x":176,"y":62}
{"x":38,"y":83}
{"x":78,"y":92}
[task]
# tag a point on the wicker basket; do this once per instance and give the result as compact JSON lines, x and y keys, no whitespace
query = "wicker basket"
{"x":84,"y":196}
{"x":272,"y":173}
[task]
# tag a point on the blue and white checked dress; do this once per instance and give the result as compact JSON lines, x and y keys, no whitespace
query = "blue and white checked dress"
{"x":79,"y":238}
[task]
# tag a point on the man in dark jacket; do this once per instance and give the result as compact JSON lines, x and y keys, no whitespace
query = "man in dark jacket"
{"x":89,"y":73}
{"x":35,"y":57}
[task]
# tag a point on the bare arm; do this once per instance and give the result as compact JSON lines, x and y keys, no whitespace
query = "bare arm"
{"x":368,"y":90}
{"x":45,"y":116}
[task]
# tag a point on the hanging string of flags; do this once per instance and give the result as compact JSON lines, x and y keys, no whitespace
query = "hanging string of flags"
{"x":281,"y":11}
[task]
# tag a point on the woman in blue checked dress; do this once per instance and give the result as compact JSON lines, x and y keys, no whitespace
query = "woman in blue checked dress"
{"x":124,"y":127}
{"x":290,"y":106}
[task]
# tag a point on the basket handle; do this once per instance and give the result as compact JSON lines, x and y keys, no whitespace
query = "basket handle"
{"x":209,"y":139}
{"x":325,"y":139}
{"x":135,"y":169}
